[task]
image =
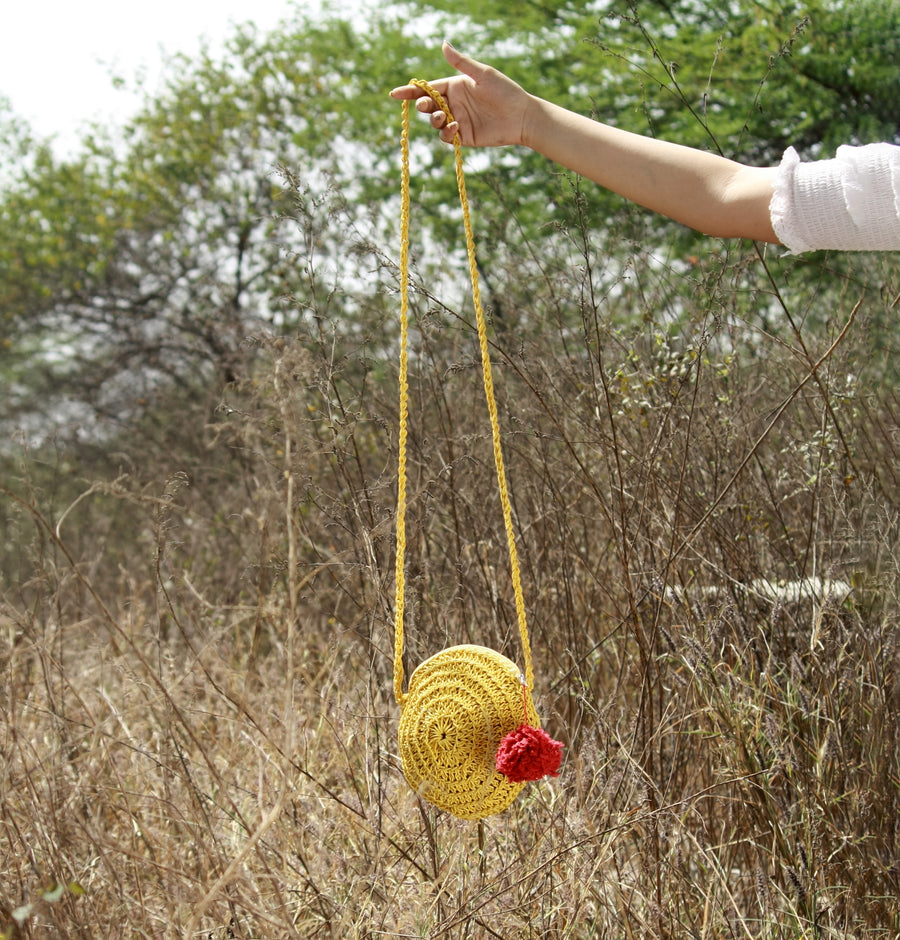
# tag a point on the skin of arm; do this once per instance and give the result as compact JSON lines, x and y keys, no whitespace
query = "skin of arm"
{"x":704,"y":191}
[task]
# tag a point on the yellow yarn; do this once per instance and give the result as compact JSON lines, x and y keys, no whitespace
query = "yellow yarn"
{"x":464,"y":700}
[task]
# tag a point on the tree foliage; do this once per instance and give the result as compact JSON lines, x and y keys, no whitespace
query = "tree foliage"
{"x":146,"y":262}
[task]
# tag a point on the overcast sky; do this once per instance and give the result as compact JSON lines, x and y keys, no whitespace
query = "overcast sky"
{"x":57,"y":56}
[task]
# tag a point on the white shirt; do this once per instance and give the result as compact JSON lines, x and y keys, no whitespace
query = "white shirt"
{"x":849,"y":203}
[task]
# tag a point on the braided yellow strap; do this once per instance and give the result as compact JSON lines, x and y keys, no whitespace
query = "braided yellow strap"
{"x":404,"y":400}
{"x":464,"y":701}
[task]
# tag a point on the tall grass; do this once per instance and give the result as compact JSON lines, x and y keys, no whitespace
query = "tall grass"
{"x":198,"y":730}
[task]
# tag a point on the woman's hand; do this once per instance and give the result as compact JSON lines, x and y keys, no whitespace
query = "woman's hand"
{"x":489,"y":109}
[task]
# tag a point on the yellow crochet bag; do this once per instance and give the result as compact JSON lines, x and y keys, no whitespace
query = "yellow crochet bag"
{"x":469,"y":734}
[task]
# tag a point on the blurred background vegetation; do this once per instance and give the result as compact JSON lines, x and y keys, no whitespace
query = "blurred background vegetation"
{"x":198,"y":335}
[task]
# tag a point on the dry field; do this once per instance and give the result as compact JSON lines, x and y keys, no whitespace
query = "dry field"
{"x":197,"y":728}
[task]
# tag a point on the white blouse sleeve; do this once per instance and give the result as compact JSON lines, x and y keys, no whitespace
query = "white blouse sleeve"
{"x":849,"y":203}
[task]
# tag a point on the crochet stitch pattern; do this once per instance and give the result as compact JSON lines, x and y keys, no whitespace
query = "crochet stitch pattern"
{"x":469,"y":733}
{"x":461,"y":703}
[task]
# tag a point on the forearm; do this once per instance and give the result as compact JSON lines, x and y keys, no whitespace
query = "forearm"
{"x":702,"y":190}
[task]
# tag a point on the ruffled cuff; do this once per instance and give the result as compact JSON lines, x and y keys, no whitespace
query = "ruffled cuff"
{"x":850,"y":203}
{"x":781,"y":208}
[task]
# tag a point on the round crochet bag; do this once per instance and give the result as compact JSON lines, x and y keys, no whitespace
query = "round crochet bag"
{"x":469,"y":735}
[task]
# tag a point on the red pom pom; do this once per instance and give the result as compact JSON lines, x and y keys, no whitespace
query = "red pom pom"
{"x":528,"y":754}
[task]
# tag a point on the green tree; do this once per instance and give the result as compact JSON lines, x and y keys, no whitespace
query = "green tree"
{"x":146,"y":262}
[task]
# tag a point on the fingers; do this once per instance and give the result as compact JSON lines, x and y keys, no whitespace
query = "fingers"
{"x":449,"y":132}
{"x":406,"y":92}
{"x":425,"y":103}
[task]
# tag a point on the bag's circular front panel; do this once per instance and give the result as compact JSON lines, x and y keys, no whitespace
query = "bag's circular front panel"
{"x":460,"y":705}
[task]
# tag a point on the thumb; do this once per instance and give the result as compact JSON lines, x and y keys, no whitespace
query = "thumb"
{"x":462,"y":63}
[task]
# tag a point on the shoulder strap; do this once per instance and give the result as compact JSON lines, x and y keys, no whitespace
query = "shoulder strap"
{"x":400,"y":580}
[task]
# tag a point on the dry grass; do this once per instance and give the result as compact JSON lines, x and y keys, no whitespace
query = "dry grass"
{"x":198,"y":734}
